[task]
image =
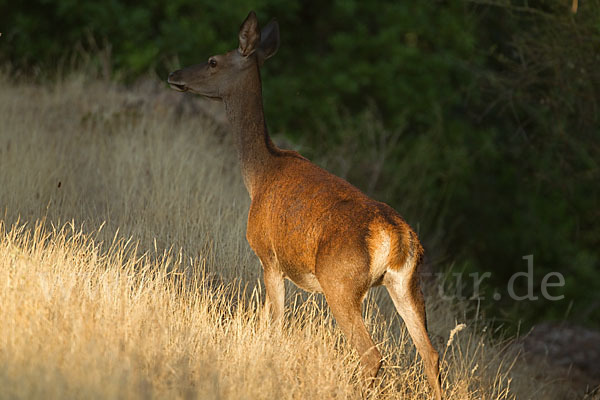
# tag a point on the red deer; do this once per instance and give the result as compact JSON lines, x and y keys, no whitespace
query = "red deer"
{"x":308,"y":225}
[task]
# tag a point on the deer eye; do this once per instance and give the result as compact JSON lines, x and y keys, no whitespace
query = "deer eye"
{"x":212,"y":62}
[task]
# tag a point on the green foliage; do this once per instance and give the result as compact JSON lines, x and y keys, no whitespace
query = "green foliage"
{"x":480,"y":123}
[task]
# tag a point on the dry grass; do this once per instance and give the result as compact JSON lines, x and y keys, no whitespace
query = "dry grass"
{"x":124,"y":271}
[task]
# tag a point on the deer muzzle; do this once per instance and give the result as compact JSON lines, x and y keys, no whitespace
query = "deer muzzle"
{"x":174,"y":80}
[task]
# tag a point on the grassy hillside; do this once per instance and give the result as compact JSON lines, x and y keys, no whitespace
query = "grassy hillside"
{"x":124,"y":270}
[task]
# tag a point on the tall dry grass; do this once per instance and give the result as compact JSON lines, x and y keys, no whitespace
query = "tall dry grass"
{"x":124,"y":270}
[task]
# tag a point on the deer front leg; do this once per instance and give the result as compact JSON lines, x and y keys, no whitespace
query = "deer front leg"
{"x":275,"y":289}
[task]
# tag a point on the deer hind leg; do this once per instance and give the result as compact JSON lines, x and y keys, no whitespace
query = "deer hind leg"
{"x":345,"y":302}
{"x":403,"y":287}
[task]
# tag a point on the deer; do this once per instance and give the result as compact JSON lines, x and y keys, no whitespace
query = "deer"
{"x":306,"y":224}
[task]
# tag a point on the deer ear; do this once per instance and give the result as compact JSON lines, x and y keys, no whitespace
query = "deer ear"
{"x":269,"y":41}
{"x":249,"y":35}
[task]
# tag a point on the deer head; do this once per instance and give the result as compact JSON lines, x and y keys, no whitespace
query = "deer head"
{"x":222,"y":73}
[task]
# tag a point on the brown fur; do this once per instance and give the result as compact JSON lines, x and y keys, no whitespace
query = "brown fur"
{"x":306,"y":224}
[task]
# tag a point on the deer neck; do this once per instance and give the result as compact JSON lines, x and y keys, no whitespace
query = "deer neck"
{"x":256,"y":152}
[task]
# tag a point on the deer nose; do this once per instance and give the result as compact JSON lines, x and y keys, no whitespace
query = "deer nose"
{"x":174,"y":80}
{"x":173,"y":77}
